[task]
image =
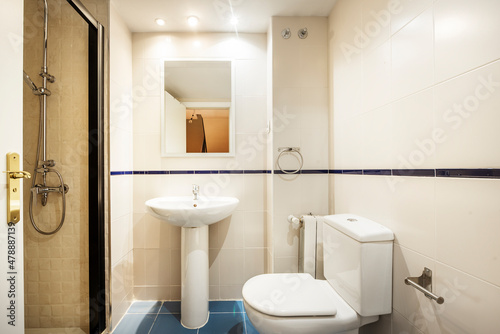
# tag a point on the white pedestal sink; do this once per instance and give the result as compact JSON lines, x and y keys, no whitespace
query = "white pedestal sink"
{"x":193,"y":216}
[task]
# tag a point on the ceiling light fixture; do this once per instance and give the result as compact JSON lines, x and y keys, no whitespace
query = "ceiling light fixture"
{"x":160,"y":22}
{"x":193,"y":21}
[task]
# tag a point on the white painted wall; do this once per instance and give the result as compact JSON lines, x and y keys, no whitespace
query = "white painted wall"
{"x":11,"y":140}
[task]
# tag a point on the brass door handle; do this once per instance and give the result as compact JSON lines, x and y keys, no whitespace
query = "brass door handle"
{"x":19,"y":174}
{"x":13,"y":187}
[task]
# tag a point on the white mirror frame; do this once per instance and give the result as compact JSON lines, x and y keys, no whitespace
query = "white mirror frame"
{"x":232,"y":112}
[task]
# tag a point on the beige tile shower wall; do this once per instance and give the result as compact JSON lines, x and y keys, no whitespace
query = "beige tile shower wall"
{"x":237,"y":244}
{"x":300,"y":108}
{"x":56,"y":267}
{"x":416,"y":84}
{"x":121,"y":159}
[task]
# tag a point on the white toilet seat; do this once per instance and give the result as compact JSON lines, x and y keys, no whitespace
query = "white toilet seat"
{"x":264,"y":302}
{"x":290,"y":295}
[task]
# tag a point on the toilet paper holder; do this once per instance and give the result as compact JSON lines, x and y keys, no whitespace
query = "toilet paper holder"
{"x":423,"y":283}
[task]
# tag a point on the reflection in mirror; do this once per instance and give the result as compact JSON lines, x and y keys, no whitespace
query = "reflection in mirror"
{"x":197,"y":108}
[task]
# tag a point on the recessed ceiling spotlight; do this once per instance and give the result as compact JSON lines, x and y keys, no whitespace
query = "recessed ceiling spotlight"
{"x":160,"y":22}
{"x":193,"y":21}
{"x":234,"y":20}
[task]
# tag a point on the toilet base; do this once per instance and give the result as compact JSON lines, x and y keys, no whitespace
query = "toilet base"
{"x":348,"y":323}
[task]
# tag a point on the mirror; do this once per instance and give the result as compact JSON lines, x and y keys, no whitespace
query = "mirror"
{"x":197,"y":108}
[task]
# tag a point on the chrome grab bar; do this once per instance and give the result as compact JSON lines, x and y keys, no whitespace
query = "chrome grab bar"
{"x":423,"y":283}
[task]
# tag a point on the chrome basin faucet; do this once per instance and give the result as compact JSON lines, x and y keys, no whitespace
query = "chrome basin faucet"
{"x":196,"y":188}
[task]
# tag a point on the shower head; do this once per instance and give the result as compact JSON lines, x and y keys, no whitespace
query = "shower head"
{"x":29,"y":82}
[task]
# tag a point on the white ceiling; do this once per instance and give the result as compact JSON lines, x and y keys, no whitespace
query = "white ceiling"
{"x":254,"y":15}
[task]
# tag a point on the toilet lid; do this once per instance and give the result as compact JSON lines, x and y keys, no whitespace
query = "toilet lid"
{"x":290,"y":295}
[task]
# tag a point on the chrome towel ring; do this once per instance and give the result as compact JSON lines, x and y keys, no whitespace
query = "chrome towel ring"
{"x":290,"y":150}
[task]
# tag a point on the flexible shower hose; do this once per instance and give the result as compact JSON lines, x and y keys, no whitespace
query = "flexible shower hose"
{"x":45,"y":170}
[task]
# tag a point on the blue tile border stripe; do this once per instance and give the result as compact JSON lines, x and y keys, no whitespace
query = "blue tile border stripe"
{"x":482,"y":173}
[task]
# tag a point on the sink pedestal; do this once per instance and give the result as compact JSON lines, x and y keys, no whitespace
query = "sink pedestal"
{"x":194,"y":279}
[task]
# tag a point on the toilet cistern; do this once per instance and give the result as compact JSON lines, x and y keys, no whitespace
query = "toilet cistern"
{"x":196,"y":189}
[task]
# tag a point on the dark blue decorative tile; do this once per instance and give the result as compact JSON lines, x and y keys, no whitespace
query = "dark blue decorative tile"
{"x":286,"y":171}
{"x":226,"y":306}
{"x":377,"y":172}
{"x":314,"y":171}
{"x":352,"y":171}
{"x":414,"y":172}
{"x":116,"y":173}
{"x":250,"y":329}
{"x":157,"y":172}
{"x":206,"y":172}
{"x":482,"y":173}
{"x":135,"y":323}
{"x":145,"y":307}
{"x":171,"y":324}
{"x":231,"y":171}
{"x":254,"y":171}
{"x":335,"y":171}
{"x":139,"y":172}
{"x":182,"y":172}
{"x":171,"y":307}
{"x":224,"y":323}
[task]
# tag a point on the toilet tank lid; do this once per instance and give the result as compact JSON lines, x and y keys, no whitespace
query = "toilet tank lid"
{"x":359,"y":228}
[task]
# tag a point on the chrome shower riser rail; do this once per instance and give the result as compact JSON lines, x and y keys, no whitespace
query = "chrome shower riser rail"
{"x":43,"y":166}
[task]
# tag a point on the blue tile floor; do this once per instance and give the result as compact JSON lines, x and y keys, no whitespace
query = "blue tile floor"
{"x":226,"y":317}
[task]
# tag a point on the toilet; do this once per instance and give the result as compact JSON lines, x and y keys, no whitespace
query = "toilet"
{"x":357,"y":290}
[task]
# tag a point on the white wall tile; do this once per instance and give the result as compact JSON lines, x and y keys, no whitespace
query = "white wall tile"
{"x":313,"y":67}
{"x":413,"y":220}
{"x":471,"y":305}
{"x":376,"y":132}
{"x":413,"y":56}
{"x":412,"y":131}
{"x":407,"y":11}
{"x":121,"y":190}
{"x":285,"y":238}
{"x":376,"y":22}
{"x":466,"y":114}
{"x":255,"y":194}
{"x":401,"y":325}
{"x":255,"y":229}
{"x":254,"y":262}
{"x":467,"y":226}
{"x":287,"y":197}
{"x":147,"y":116}
{"x":231,"y":231}
{"x":251,"y":114}
{"x":444,"y":224}
{"x":466,"y":35}
{"x":232,"y":268}
{"x":314,"y":104}
{"x":314,"y":194}
{"x":377,"y":77}
{"x":314,"y":149}
{"x":409,"y":302}
{"x":121,"y":238}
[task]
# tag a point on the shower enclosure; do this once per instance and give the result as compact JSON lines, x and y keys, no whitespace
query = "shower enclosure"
{"x":65,"y":285}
